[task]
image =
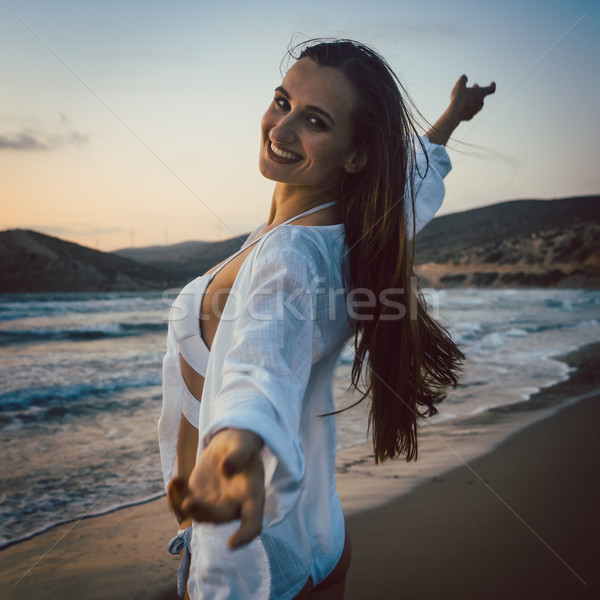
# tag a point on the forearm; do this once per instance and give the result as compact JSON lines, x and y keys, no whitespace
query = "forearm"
{"x":443,"y":128}
{"x":187,"y":447}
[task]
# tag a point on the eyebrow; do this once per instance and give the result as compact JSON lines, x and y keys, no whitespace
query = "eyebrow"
{"x":310,"y":107}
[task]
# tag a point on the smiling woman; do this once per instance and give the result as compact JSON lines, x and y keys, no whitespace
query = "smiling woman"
{"x":247,"y":431}
{"x":309,"y":129}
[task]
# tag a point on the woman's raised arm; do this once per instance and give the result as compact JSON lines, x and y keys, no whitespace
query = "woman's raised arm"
{"x":432,"y":160}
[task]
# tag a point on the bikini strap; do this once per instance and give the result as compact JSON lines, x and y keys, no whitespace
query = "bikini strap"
{"x":304,"y":214}
{"x":310,"y":211}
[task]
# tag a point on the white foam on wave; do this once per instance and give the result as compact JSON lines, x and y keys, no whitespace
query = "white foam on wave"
{"x":442,"y":416}
{"x":515,"y":332}
{"x":590,"y":323}
{"x":492,"y":341}
{"x":509,"y":346}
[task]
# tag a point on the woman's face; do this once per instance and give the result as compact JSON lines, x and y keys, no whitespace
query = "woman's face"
{"x":307,"y":130}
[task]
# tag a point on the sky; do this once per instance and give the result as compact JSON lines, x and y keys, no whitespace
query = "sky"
{"x":130,"y":123}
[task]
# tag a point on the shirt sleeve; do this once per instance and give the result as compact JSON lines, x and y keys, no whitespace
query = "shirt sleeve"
{"x":266,"y":371}
{"x":428,"y":183}
{"x":170,"y":417}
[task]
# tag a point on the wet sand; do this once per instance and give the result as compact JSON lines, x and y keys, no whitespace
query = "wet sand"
{"x":518,"y":522}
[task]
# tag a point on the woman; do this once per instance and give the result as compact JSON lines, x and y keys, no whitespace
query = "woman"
{"x":338,"y":141}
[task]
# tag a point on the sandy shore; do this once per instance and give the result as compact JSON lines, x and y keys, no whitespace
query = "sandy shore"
{"x":521,"y":522}
{"x":518,"y":522}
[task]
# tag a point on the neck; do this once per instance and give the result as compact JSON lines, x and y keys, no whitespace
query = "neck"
{"x":290,"y":200}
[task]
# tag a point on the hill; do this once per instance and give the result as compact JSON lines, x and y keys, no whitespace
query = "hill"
{"x":187,"y":260}
{"x":520,"y":243}
{"x":34,"y":262}
{"x":163,"y":254}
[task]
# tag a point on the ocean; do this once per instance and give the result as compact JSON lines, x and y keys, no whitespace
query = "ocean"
{"x":80,"y":393}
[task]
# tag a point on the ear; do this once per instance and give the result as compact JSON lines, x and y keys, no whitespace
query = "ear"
{"x":356,"y":161}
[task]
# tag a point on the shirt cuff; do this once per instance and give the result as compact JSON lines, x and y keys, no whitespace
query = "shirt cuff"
{"x":437,"y":154}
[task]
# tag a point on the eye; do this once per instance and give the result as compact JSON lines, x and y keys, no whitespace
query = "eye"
{"x":317,"y":123}
{"x":281,"y":103}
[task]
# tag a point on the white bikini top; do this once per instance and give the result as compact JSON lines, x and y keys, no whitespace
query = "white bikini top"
{"x":185,"y":313}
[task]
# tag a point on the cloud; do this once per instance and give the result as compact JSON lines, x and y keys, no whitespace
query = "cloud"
{"x":21,"y":141}
{"x":29,"y":140}
{"x":82,"y":230}
{"x":73,"y":138}
{"x":32,"y":133}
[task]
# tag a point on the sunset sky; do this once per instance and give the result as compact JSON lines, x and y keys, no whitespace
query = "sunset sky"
{"x":137,"y":123}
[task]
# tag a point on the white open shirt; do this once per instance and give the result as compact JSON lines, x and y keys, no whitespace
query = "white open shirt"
{"x":270,"y":369}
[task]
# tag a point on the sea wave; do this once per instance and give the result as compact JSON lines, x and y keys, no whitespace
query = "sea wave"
{"x":5,"y":542}
{"x":22,"y":306}
{"x":57,"y":404}
{"x":94,"y":332}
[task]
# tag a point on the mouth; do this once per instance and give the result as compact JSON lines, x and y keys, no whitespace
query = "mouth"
{"x":280,"y":155}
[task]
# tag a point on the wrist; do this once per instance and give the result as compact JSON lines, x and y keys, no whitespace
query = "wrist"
{"x":452,"y":116}
{"x":444,"y":127}
{"x":244,"y":437}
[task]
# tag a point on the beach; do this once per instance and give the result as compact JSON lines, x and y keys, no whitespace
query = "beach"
{"x":506,"y":506}
{"x":519,"y":522}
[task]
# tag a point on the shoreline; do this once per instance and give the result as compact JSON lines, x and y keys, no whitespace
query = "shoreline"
{"x":454,"y":442}
{"x":103,"y":513}
{"x":120,"y":538}
{"x":518,"y":522}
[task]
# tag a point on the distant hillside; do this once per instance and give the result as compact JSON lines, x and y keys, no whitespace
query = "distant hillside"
{"x":521,"y":243}
{"x":163,"y":254}
{"x":187,"y":260}
{"x":518,"y":243}
{"x":35,"y":262}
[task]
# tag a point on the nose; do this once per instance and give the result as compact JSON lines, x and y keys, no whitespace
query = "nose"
{"x":283,"y":130}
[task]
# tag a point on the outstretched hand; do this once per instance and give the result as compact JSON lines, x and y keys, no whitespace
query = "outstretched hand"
{"x":465,"y":101}
{"x":227,"y":483}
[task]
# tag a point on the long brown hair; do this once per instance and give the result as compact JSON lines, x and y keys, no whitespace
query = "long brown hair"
{"x":410,"y":358}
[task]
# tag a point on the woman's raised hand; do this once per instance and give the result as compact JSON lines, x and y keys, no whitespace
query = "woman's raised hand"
{"x":227,"y":483}
{"x":465,"y":101}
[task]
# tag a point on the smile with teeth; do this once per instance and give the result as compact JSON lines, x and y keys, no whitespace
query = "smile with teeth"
{"x":282,"y":153}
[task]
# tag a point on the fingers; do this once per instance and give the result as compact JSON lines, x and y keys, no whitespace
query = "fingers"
{"x":211,"y":512}
{"x":251,"y":525}
{"x":227,"y":481}
{"x":490,"y":89}
{"x":484,"y":91}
